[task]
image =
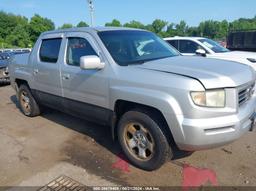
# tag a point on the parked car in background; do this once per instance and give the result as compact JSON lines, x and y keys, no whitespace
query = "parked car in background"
{"x":153,"y":98}
{"x":21,"y":51}
{"x":211,"y":49}
{"x":4,"y":62}
{"x":16,"y":50}
{"x":244,"y":40}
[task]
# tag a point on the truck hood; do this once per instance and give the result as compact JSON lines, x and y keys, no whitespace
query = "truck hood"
{"x":238,"y":54}
{"x":212,"y":73}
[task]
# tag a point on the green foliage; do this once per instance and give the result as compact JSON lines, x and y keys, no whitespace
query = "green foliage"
{"x":38,"y":25}
{"x":66,"y":26}
{"x":193,"y":31}
{"x":18,"y":31}
{"x":135,"y":24}
{"x":158,"y":26}
{"x":171,"y":31}
{"x":243,"y":24}
{"x":114,"y":23}
{"x":8,"y":23}
{"x":82,"y":24}
{"x":19,"y":37}
{"x":182,"y":28}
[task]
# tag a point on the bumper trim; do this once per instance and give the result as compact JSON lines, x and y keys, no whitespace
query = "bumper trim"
{"x":199,"y":134}
{"x":220,"y":130}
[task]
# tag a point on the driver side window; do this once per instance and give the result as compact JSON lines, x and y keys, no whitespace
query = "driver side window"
{"x":188,"y":46}
{"x":78,"y":47}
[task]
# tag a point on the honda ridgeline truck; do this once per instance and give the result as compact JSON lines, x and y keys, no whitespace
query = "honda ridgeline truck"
{"x":153,"y":99}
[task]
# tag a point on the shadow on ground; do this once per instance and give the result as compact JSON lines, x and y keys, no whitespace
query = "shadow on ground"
{"x":4,"y":83}
{"x":92,"y":148}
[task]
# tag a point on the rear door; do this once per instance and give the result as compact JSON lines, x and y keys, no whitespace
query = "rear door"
{"x":86,"y":92}
{"x":174,"y":43}
{"x":46,"y":70}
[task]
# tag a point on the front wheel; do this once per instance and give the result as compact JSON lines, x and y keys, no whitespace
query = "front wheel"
{"x":142,"y":140}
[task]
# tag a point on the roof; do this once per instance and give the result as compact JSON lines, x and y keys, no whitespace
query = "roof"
{"x":89,"y":29}
{"x":183,"y":38}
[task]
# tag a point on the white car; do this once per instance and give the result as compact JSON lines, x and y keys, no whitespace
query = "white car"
{"x":189,"y":46}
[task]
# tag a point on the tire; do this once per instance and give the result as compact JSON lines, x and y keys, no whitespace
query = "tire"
{"x":27,"y":102}
{"x":149,"y":151}
{"x":4,"y":81}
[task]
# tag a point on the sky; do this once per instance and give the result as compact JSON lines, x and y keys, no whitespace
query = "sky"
{"x":145,"y":11}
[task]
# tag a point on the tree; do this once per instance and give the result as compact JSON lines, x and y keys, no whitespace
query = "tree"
{"x":38,"y":25}
{"x":66,"y":26}
{"x":158,"y":26}
{"x":193,"y":31}
{"x":243,"y":24}
{"x":171,"y":31}
{"x":19,"y":37}
{"x":181,"y":28}
{"x":82,"y":24}
{"x":19,"y":31}
{"x":209,"y":28}
{"x":223,"y":30}
{"x":135,"y":24}
{"x":114,"y":23}
{"x":9,"y":21}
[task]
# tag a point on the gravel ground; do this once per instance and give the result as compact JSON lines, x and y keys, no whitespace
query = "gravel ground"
{"x":33,"y":151}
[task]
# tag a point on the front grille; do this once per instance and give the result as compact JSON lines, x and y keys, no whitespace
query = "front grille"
{"x":245,"y":94}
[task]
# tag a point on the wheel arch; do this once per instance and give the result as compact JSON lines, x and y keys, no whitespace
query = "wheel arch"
{"x":19,"y":82}
{"x":123,"y":106}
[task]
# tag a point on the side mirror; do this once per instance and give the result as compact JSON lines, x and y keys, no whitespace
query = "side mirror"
{"x":201,"y":52}
{"x":91,"y":63}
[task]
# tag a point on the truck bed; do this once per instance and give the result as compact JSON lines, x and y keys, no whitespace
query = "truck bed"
{"x":21,"y":59}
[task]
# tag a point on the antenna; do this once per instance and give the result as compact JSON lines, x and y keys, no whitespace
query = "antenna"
{"x":91,"y":7}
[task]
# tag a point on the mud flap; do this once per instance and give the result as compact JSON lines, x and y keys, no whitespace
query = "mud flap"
{"x":253,"y":119}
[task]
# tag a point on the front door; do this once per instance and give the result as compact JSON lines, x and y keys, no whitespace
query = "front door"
{"x":86,"y":92}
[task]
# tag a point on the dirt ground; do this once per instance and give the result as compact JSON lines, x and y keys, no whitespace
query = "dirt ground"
{"x":35,"y":150}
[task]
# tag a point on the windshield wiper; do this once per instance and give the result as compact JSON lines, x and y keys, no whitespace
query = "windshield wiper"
{"x":146,"y":60}
{"x":136,"y":62}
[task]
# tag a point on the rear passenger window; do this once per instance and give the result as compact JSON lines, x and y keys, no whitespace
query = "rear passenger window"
{"x":50,"y":49}
{"x":174,"y":43}
{"x":78,"y":47}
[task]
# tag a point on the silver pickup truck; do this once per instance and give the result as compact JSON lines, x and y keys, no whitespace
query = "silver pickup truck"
{"x":153,"y":99}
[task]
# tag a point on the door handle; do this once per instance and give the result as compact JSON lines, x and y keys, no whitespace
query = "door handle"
{"x":36,"y":71}
{"x":65,"y":76}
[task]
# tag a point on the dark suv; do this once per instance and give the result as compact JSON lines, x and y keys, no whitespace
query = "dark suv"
{"x":4,"y":62}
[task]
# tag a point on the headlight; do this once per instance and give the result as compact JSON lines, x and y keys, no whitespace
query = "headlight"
{"x":253,"y":60}
{"x":209,"y":98}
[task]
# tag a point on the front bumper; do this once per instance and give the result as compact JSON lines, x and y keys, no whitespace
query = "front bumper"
{"x":209,"y":133}
{"x":4,"y":73}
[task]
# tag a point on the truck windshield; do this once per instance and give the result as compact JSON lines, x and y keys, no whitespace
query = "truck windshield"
{"x":214,"y":46}
{"x":135,"y":47}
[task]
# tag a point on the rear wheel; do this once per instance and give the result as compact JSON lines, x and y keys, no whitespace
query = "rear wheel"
{"x":4,"y":81}
{"x":142,"y":140}
{"x":28,"y":104}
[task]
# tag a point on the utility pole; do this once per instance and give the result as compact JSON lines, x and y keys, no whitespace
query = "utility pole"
{"x":91,"y":7}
